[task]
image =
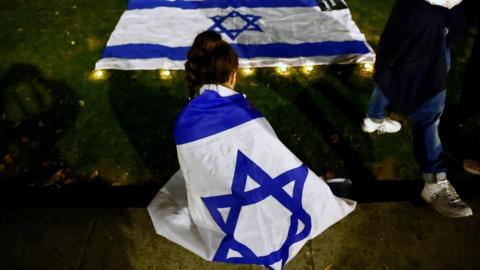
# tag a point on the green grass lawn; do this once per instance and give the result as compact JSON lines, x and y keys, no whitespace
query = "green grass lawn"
{"x":59,"y":127}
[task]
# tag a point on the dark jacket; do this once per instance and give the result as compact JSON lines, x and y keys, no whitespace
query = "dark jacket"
{"x":411,"y":66}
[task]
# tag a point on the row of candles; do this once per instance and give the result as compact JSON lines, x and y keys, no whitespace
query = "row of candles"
{"x":165,"y":74}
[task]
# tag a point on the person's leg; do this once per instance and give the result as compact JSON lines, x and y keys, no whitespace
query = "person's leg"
{"x":376,"y":119}
{"x":427,"y":146}
{"x":428,"y":152}
{"x":377,"y":105}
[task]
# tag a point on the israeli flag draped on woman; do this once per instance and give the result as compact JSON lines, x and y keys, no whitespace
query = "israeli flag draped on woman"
{"x":155,"y":34}
{"x":240,"y":196}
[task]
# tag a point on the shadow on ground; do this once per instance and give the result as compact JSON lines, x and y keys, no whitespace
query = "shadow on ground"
{"x":147,"y":114}
{"x":35,"y":111}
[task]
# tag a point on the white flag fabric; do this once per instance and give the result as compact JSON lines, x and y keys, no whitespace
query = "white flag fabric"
{"x":157,"y":34}
{"x":240,"y":196}
{"x":445,"y":3}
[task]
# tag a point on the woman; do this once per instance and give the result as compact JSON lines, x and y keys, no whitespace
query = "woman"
{"x":240,"y":196}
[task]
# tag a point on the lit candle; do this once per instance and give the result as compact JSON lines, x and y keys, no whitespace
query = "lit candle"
{"x":368,"y":67}
{"x":282,"y":69}
{"x":247,"y":71}
{"x":98,"y":75}
{"x":165,"y":74}
{"x":307,"y":69}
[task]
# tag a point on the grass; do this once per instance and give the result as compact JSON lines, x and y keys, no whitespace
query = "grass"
{"x":61,"y":128}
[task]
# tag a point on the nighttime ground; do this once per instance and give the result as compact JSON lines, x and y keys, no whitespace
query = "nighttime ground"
{"x":81,"y":157}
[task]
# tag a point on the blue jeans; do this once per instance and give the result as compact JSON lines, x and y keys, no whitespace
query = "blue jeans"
{"x":427,"y":146}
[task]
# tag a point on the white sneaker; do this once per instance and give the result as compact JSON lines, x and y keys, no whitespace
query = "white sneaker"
{"x":441,"y":195}
{"x":386,"y":126}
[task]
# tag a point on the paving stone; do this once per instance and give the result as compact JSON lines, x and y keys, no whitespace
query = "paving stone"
{"x":375,"y":236}
{"x":126,"y":239}
{"x":399,"y":236}
{"x":44,"y":238}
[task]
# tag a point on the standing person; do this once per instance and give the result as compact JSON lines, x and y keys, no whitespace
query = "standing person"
{"x":413,"y":59}
{"x":240,"y":195}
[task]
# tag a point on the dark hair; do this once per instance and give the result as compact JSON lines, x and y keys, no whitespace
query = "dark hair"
{"x":209,"y":60}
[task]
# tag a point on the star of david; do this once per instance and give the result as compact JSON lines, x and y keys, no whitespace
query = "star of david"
{"x":267,"y":186}
{"x":250,"y":24}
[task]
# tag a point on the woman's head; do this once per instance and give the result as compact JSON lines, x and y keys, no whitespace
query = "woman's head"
{"x":210,"y":60}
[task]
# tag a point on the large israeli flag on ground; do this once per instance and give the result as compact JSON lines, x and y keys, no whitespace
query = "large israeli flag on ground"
{"x":155,"y":34}
{"x":240,"y":196}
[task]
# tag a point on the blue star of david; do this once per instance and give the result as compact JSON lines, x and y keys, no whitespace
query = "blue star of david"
{"x":268,"y":186}
{"x":249,"y":19}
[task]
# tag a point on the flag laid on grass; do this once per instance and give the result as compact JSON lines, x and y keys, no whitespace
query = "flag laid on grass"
{"x":240,"y":196}
{"x":155,"y":34}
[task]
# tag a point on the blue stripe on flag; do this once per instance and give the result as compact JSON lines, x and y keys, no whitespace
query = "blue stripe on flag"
{"x":145,"y":51}
{"x":195,"y":4}
{"x":209,"y":114}
{"x":282,"y":50}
